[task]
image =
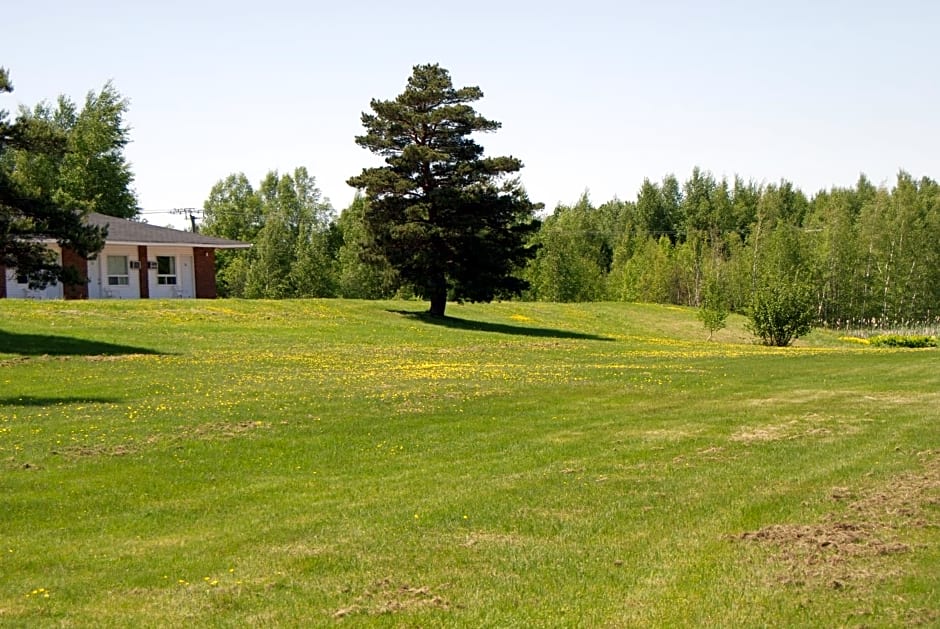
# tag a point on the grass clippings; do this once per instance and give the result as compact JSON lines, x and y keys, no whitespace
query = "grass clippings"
{"x":387,"y":597}
{"x":845,"y":547}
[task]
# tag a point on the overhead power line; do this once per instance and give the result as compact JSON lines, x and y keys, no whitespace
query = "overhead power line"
{"x":189,"y":212}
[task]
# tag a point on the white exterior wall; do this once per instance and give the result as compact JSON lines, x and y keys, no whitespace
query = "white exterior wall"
{"x":15,"y":290}
{"x":185,"y":278}
{"x":99,"y":286}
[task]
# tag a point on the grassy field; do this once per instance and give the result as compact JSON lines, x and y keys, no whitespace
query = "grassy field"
{"x":181,"y":463}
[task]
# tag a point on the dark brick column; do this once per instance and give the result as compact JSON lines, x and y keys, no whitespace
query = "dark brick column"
{"x":80,"y":264}
{"x":204,"y":271}
{"x":3,"y":282}
{"x":143,"y":272}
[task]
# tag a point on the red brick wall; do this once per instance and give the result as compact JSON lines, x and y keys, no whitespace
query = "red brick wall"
{"x":72,"y":259}
{"x":144,"y":274}
{"x":204,"y":270}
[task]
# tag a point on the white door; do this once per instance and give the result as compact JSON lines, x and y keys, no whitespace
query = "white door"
{"x":186,"y":277}
{"x":94,"y":279}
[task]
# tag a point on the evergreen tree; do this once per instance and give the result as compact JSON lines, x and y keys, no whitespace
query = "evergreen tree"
{"x":453,"y":223}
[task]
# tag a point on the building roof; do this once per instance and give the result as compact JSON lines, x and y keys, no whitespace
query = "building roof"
{"x":124,"y":232}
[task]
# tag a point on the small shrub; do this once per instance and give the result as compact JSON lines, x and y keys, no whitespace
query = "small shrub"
{"x":903,"y":340}
{"x":780,"y":313}
{"x":713,"y":313}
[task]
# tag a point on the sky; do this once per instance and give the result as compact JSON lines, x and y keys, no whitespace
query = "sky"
{"x":592,"y":95}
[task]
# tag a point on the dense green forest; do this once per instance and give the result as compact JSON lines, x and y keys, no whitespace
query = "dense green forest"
{"x":867,"y":255}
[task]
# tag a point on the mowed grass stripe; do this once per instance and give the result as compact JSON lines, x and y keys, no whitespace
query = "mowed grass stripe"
{"x":322,"y":462}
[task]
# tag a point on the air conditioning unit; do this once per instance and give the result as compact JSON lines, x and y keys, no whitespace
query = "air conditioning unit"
{"x":151,"y":265}
{"x":135,"y":264}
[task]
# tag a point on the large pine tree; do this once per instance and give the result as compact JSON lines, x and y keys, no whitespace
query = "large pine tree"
{"x":454,"y":224}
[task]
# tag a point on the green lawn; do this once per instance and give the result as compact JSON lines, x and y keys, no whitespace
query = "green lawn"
{"x":244,"y":463}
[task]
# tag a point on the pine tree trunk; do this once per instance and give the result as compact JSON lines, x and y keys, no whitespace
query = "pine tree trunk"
{"x":438,"y":296}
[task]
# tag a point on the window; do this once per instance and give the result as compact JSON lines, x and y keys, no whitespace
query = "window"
{"x":166,"y":270}
{"x":22,"y":278}
{"x":117,"y":271}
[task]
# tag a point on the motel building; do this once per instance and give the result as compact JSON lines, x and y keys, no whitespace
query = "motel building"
{"x":138,"y":261}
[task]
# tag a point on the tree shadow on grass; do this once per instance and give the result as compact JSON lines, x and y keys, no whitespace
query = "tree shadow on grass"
{"x":48,"y":344}
{"x":31,"y":400}
{"x":497,"y":328}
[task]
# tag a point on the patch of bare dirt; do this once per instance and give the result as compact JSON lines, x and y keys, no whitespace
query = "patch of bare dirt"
{"x":823,"y":553}
{"x":855,"y":545}
{"x":906,"y":497}
{"x":222,"y":430}
{"x":387,"y":597}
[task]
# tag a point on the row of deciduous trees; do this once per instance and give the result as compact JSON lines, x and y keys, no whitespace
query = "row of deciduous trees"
{"x":863,"y":253}
{"x":301,"y":249}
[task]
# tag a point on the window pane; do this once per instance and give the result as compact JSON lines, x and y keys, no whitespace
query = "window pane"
{"x":117,"y":265}
{"x":166,"y":265}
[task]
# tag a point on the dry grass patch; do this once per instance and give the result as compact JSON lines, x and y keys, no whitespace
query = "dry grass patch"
{"x":300,"y":549}
{"x":386,"y":597}
{"x":811,"y":425}
{"x":83,"y":451}
{"x":221,"y":430}
{"x":486,"y":538}
{"x":850,"y":547}
{"x":673,"y":435}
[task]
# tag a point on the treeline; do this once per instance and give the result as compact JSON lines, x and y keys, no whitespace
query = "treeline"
{"x":301,"y":248}
{"x":861,"y":254}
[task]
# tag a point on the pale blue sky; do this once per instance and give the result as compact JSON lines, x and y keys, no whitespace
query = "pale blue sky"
{"x":592,"y":95}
